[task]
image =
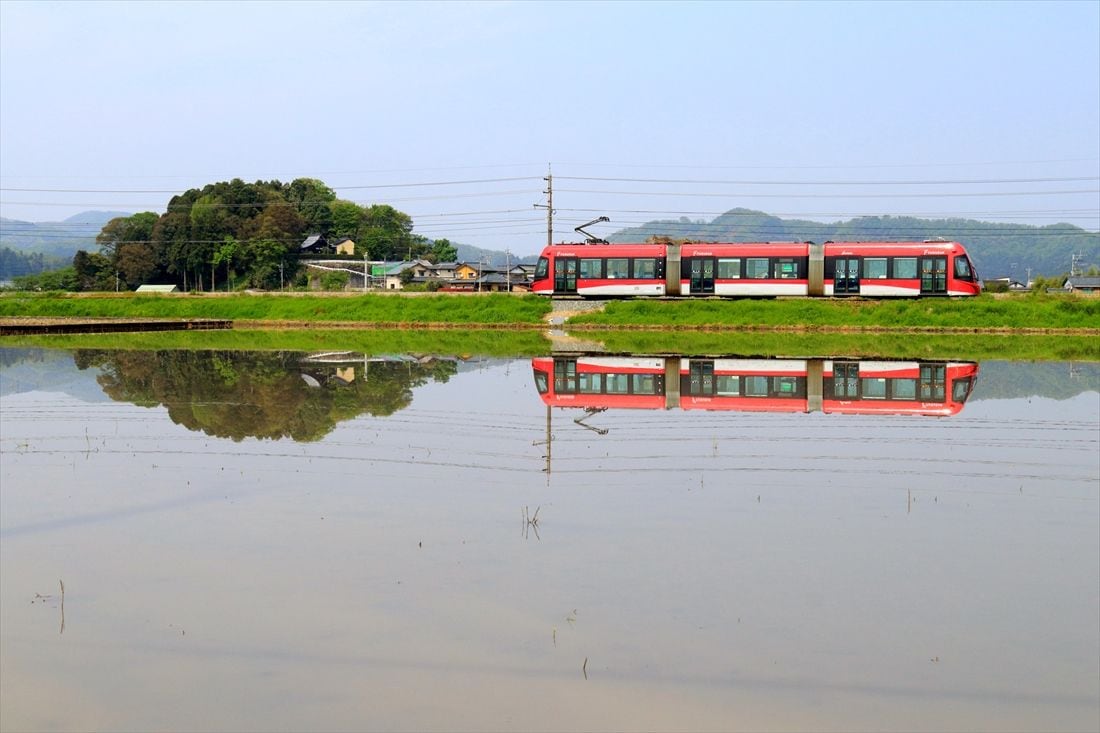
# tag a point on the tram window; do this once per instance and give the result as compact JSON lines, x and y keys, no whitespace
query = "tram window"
{"x":905,"y":389}
{"x":542,"y":269}
{"x":786,"y":269}
{"x":905,"y":267}
{"x":616,"y":383}
{"x":729,"y":269}
{"x":589,"y":383}
{"x":962,"y":268}
{"x":541,"y":383}
{"x":756,"y":386}
{"x":645,"y":384}
{"x":960,"y":390}
{"x":786,"y":386}
{"x":645,"y":269}
{"x":728,"y":385}
{"x":756,"y":268}
{"x":874,"y":388}
{"x":618,"y":267}
{"x":874,"y":268}
{"x":590,"y":269}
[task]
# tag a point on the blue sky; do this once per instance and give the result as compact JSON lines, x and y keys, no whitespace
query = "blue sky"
{"x":819,"y":110}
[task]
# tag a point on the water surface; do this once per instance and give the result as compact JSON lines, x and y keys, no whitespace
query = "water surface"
{"x":281,"y":541}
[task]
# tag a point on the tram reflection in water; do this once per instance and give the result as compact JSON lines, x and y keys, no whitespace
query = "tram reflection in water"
{"x":857,"y":387}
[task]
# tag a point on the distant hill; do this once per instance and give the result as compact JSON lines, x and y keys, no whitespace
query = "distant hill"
{"x":57,"y":242}
{"x":997,"y":249}
{"x":60,"y":239}
{"x":497,"y":258}
{"x":98,"y":218}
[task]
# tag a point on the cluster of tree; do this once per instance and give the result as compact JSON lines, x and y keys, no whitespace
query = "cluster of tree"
{"x":237,"y":234}
{"x":14,"y":264}
{"x":256,"y":394}
{"x":997,"y":249}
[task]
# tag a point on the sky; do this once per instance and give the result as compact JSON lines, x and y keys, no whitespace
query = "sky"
{"x":454,"y":112}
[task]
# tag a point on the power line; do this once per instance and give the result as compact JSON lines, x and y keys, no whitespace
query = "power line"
{"x":830,"y":195}
{"x":334,"y":188}
{"x":954,"y":164}
{"x":312,"y":174}
{"x":910,"y":182}
{"x":261,"y":205}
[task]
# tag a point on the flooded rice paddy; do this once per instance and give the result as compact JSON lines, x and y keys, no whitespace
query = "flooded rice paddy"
{"x":286,"y":541}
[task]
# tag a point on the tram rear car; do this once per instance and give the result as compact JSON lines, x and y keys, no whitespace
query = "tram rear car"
{"x":851,"y":387}
{"x":874,"y":269}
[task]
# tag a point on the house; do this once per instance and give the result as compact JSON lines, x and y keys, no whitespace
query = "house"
{"x":315,"y":244}
{"x":466,"y":271}
{"x":392,"y":279}
{"x":523,"y":272}
{"x":345,"y":246}
{"x":444,"y":270}
{"x":1080,"y":284}
{"x":494,"y":282}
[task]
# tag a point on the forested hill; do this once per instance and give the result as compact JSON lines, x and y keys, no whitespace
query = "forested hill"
{"x":28,"y":247}
{"x":55,"y":238}
{"x":998,"y":249}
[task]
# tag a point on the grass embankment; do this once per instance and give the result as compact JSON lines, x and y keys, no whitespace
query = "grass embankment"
{"x":962,"y":346}
{"x":486,"y":310}
{"x":466,"y":342}
{"x":981,"y":313}
{"x":528,"y":342}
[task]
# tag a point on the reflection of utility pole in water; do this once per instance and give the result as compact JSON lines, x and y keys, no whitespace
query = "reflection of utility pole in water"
{"x":549,"y":440}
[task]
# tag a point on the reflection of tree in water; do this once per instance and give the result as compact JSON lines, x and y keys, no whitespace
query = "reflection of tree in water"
{"x":237,"y":394}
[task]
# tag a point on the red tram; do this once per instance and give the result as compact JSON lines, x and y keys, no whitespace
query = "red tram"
{"x":876,"y":269}
{"x":855,"y":387}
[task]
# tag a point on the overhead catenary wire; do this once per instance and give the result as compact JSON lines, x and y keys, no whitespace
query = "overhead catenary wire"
{"x":766,"y":182}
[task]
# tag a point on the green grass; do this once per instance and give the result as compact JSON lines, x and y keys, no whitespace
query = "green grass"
{"x":966,"y":347}
{"x":488,"y":309}
{"x":467,"y":342}
{"x":984,"y":312}
{"x":524,"y":342}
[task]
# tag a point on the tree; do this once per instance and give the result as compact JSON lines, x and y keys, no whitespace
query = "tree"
{"x":122,"y":229}
{"x":136,"y":263}
{"x":334,"y":280}
{"x":346,"y":217}
{"x":225,"y":254}
{"x":207,"y":228}
{"x":385,"y":232}
{"x":263,"y":259}
{"x":92,"y":271}
{"x":443,"y":251}
{"x":63,"y":279}
{"x":313,"y":198}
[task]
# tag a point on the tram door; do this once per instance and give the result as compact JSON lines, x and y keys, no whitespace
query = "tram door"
{"x":847,"y":276}
{"x":565,"y":275}
{"x":565,"y":376}
{"x":700,"y":382}
{"x":933,"y":382}
{"x":846,"y":380}
{"x":933,"y":276}
{"x":702,"y":275}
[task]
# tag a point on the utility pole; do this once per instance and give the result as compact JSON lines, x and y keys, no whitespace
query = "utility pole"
{"x":1075,"y":264}
{"x":549,"y":206}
